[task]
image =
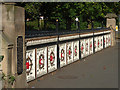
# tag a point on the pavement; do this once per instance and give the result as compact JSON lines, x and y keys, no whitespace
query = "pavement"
{"x":99,"y":70}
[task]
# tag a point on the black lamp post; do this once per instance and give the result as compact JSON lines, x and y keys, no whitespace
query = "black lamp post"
{"x":57,"y":25}
{"x":58,"y":59}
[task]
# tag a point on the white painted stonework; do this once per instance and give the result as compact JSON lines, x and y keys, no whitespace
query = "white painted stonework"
{"x":46,"y":60}
{"x":97,"y":33}
{"x":69,"y":52}
{"x":43,"y":41}
{"x":86,"y":47}
{"x":108,"y":40}
{"x":41,"y":61}
{"x":62,"y":54}
{"x":52,"y":58}
{"x":76,"y":50}
{"x":101,"y":42}
{"x":82,"y":48}
{"x":84,"y":35}
{"x":96,"y":43}
{"x":109,"y":36}
{"x":90,"y":45}
{"x":105,"y":41}
{"x":68,"y":37}
{"x":30,"y":65}
{"x":107,"y":31}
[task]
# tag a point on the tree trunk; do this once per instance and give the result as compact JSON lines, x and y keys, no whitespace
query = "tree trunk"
{"x":39,"y":23}
{"x":68,"y":24}
{"x":45,"y":22}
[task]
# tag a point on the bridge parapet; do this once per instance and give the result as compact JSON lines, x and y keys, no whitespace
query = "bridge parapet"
{"x":46,"y":54}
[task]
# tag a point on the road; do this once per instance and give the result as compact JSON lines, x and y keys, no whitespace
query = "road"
{"x":99,"y":70}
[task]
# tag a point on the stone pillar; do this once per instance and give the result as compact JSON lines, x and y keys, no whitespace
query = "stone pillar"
{"x":111,"y":23}
{"x":0,"y":44}
{"x":113,"y":43}
{"x":13,"y":43}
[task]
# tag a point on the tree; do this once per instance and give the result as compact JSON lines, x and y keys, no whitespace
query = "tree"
{"x":33,"y":11}
{"x":66,"y":12}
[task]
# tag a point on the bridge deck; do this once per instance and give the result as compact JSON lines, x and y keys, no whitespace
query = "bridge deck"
{"x":99,"y":70}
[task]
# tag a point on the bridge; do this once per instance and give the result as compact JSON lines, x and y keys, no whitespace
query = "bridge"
{"x":48,"y":53}
{"x":77,"y":55}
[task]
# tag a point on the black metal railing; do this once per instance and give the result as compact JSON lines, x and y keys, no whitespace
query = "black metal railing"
{"x":38,"y":33}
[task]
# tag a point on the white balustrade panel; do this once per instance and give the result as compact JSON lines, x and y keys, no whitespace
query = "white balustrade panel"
{"x":96,"y":44}
{"x":105,"y":41}
{"x":41,"y":61}
{"x":76,"y":50}
{"x":101,"y":42}
{"x":52,"y":58}
{"x":30,"y":65}
{"x":109,"y":39}
{"x":82,"y":48}
{"x":86,"y":47}
{"x":91,"y":46}
{"x":62,"y":54}
{"x":69,"y":52}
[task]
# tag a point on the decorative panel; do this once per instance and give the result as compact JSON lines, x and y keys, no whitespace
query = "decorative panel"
{"x":86,"y":47}
{"x":52,"y":58}
{"x":41,"y":61}
{"x":30,"y":65}
{"x":76,"y":50}
{"x":82,"y":48}
{"x":105,"y":41}
{"x":62,"y":54}
{"x":69,"y":52}
{"x":96,"y":44}
{"x":101,"y":42}
{"x":109,"y":39}
{"x":90,"y":45}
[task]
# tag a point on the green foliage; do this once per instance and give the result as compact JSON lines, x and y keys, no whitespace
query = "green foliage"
{"x":3,"y":76}
{"x":32,"y":25}
{"x":83,"y":25}
{"x":11,"y":80}
{"x":50,"y":26}
{"x":66,"y":12}
{"x":97,"y":24}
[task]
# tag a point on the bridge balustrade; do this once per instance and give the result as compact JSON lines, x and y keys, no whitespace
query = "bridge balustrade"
{"x":47,"y":53}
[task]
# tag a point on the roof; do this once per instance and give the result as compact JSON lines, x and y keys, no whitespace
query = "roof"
{"x":111,"y":15}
